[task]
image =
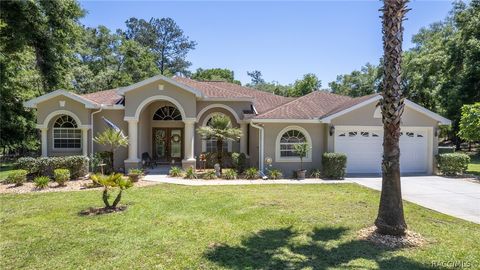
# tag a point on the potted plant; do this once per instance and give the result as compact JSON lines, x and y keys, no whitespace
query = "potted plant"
{"x":135,"y":174}
{"x":302,"y":151}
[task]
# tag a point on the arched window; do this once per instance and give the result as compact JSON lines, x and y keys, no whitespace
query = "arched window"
{"x":210,"y":145}
{"x":66,"y":134}
{"x":286,"y":141}
{"x":167,"y":113}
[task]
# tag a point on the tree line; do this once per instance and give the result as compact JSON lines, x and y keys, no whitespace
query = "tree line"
{"x":44,"y":47}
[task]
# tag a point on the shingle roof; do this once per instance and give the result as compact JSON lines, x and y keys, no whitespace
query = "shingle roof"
{"x":311,"y":106}
{"x":263,"y":101}
{"x":106,"y":97}
{"x":348,"y":104}
{"x":315,"y":105}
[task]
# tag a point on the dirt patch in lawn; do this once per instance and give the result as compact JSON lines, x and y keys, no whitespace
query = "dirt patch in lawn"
{"x":102,"y":211}
{"x":74,"y":185}
{"x":410,"y":239}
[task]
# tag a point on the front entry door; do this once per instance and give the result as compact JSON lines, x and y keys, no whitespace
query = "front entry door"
{"x":167,"y":144}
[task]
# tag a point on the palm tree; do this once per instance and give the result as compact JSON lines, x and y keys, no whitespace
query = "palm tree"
{"x":390,"y":219}
{"x":220,"y":128}
{"x":113,"y":140}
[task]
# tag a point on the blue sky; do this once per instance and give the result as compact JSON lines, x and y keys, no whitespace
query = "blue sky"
{"x":284,"y":40}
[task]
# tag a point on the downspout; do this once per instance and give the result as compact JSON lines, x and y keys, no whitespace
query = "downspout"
{"x":260,"y":145}
{"x":91,"y":123}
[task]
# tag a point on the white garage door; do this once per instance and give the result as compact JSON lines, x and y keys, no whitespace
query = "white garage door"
{"x":363,"y":147}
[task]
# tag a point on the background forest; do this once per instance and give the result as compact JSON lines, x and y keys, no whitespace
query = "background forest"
{"x":44,"y":47}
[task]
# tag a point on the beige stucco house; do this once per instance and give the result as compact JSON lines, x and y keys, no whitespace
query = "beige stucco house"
{"x":160,"y":116}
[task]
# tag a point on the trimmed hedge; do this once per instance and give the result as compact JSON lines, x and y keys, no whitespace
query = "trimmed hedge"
{"x":44,"y":166}
{"x":334,"y":165}
{"x":453,"y":163}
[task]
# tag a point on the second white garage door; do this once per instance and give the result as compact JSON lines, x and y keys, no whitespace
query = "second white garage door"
{"x":363,"y":147}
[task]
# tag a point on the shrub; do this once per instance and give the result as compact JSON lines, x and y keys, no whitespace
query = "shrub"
{"x":238,"y":161}
{"x":175,"y":172}
{"x":135,"y":174}
{"x":111,"y":181}
{"x":211,"y":159}
{"x":210,"y":175}
{"x":44,"y":166}
{"x":17,"y":177}
{"x":275,"y":174}
{"x":334,"y":165}
{"x":251,"y":173}
{"x":316,"y":173}
{"x":98,"y":158}
{"x":190,"y":173}
{"x":229,"y":174}
{"x":453,"y":163}
{"x":61,"y":176}
{"x":41,"y":182}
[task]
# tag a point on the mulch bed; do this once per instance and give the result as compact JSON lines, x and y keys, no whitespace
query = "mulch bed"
{"x":73,"y":185}
{"x":410,"y":239}
{"x":102,"y":211}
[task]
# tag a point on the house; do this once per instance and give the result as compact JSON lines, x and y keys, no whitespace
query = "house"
{"x":160,"y":116}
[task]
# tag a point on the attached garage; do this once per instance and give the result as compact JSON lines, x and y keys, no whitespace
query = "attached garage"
{"x":363,"y":147}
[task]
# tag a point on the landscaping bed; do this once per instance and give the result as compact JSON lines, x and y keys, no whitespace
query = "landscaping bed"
{"x":73,"y":185}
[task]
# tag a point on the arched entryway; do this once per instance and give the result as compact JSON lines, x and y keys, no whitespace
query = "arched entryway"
{"x":161,"y":130}
{"x":166,"y":132}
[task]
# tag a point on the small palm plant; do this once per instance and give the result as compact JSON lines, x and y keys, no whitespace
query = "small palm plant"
{"x":175,"y":171}
{"x":190,"y":173}
{"x":220,"y":129}
{"x":109,"y":182}
{"x":113,"y":140}
{"x":275,"y":174}
{"x":301,"y":150}
{"x":230,"y":174}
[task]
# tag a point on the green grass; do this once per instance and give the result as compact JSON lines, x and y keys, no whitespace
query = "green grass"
{"x":230,"y":227}
{"x":474,"y":166}
{"x":5,"y":169}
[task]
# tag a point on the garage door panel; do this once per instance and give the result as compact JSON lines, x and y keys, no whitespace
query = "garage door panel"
{"x":364,"y":149}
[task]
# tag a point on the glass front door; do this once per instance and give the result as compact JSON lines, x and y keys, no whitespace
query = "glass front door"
{"x":167,"y":144}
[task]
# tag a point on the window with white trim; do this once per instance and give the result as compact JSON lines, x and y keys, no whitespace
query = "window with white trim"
{"x":167,"y":113}
{"x":210,"y":145}
{"x":66,"y":134}
{"x":288,"y":141}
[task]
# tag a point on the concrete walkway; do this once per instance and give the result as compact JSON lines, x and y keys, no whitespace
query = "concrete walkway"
{"x":452,"y":196}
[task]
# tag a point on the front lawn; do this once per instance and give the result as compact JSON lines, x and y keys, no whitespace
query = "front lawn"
{"x":232,"y":227}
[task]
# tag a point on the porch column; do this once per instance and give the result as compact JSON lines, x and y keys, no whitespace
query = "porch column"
{"x":44,"y":131}
{"x":85,"y":141}
{"x":132,"y":141}
{"x":244,"y":138}
{"x":189,"y":159}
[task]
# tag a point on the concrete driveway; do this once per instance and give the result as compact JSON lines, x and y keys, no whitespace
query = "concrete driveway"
{"x":452,"y":196}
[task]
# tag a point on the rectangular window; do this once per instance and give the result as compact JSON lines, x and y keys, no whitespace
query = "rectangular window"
{"x":288,"y":150}
{"x":67,"y":138}
{"x":211,"y":146}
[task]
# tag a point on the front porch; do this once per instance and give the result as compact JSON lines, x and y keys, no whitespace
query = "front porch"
{"x":162,"y":133}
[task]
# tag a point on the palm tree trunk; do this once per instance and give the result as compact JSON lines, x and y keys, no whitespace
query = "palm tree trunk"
{"x":220,"y":153}
{"x":117,"y":199}
{"x":105,"y":198}
{"x":390,"y":219}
